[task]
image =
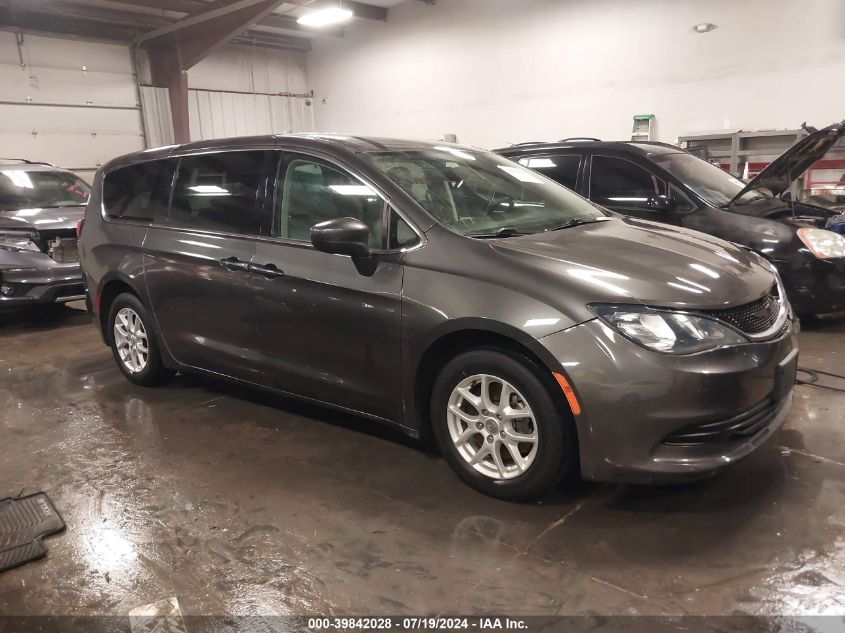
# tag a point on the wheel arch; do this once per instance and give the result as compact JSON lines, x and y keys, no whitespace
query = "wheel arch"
{"x":110,"y":288}
{"x":464,"y":335}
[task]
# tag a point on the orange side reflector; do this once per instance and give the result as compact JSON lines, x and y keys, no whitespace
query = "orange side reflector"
{"x":569,"y":392}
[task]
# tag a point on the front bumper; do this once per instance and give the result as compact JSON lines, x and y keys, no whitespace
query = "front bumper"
{"x":652,"y":418}
{"x":35,"y":279}
{"x":814,"y":286}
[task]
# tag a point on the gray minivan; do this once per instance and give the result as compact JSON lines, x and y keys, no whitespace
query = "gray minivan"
{"x":447,"y":291}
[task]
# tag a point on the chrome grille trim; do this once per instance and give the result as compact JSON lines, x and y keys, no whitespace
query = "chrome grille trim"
{"x":758,"y":320}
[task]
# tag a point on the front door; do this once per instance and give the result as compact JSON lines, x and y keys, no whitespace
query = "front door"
{"x":328,"y":329}
{"x":626,"y":187}
{"x":197,"y":257}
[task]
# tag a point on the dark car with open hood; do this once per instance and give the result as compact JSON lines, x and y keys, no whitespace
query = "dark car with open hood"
{"x":661,"y":182}
{"x":447,"y":291}
{"x":40,"y":207}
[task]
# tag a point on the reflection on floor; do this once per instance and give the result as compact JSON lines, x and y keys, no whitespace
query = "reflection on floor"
{"x":238,"y":502}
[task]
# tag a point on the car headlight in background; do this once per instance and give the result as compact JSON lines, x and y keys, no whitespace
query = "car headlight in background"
{"x":666,"y":331}
{"x":822,"y":243}
{"x":19,"y":239}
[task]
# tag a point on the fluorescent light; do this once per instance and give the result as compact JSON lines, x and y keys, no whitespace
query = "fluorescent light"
{"x":522,"y":175}
{"x":352,"y":190}
{"x":325,"y":17}
{"x":538,"y":163}
{"x":209,"y":190}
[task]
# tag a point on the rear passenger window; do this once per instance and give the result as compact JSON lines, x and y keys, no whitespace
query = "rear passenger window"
{"x":313,"y":191}
{"x":219,"y":192}
{"x":562,"y":169}
{"x":138,"y":192}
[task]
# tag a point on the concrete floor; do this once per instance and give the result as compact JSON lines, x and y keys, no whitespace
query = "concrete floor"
{"x":241,"y":503}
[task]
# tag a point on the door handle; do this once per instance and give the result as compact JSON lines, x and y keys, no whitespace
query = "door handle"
{"x":234,"y":264}
{"x":269,"y":271}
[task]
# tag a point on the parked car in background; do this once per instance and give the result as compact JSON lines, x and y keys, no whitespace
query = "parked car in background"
{"x":444,"y":290}
{"x":661,"y":182}
{"x":40,"y":206}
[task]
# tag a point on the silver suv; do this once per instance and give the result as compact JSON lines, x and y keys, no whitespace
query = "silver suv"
{"x":40,"y":207}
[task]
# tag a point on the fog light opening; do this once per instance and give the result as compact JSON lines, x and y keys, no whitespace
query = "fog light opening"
{"x":7,"y":289}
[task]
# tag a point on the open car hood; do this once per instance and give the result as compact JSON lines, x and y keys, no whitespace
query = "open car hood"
{"x":789,"y":166}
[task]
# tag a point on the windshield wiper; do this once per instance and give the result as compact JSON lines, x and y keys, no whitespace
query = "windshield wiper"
{"x":577,"y":222}
{"x":505,"y":231}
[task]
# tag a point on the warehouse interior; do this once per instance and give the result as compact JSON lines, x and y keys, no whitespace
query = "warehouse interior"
{"x":208,"y":501}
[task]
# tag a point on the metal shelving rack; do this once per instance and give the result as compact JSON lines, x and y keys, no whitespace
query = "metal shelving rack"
{"x":745,"y":154}
{"x":738,"y":145}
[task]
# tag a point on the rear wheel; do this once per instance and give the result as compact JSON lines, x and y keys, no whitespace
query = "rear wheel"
{"x":498,"y":426}
{"x":133,"y":342}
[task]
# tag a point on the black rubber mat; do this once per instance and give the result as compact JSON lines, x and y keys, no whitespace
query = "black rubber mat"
{"x":24,"y":521}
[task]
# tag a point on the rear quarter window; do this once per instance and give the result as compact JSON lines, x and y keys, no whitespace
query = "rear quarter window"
{"x":138,"y":192}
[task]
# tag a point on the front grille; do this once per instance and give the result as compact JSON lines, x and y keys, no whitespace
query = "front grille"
{"x":755,"y":317}
{"x":739,"y":427}
{"x":64,"y":250}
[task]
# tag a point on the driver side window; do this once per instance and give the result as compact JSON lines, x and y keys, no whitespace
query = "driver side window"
{"x":619,"y":183}
{"x":310,"y":191}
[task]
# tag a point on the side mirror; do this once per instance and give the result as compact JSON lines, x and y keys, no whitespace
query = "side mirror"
{"x":661,"y":203}
{"x":342,"y":236}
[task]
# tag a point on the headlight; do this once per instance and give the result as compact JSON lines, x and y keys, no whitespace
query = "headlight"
{"x":19,"y":239}
{"x":665,"y":331}
{"x":823,"y":243}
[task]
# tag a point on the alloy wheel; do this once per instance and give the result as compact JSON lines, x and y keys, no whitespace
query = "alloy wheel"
{"x":130,"y":339}
{"x":492,"y":426}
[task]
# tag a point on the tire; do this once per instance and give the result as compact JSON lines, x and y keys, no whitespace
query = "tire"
{"x":544,"y":463}
{"x":128,"y":309}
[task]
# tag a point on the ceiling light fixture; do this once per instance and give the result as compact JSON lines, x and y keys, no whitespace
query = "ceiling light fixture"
{"x":704,"y":27}
{"x":325,"y":17}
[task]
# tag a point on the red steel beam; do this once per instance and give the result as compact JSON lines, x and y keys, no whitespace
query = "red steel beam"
{"x":175,"y":48}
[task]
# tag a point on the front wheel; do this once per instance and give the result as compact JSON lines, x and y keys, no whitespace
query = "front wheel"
{"x":498,"y":426}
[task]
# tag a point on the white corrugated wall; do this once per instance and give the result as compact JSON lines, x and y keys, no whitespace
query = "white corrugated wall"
{"x":220,"y":114}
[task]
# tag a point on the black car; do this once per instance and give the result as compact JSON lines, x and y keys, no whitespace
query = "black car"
{"x":661,"y":182}
{"x":447,"y":291}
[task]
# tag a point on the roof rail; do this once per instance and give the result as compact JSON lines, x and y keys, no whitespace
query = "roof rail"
{"x":26,"y":162}
{"x":579,"y":138}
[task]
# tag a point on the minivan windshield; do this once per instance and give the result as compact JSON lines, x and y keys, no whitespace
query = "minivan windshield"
{"x":480,"y":194}
{"x":711,"y":183}
{"x":29,"y":189}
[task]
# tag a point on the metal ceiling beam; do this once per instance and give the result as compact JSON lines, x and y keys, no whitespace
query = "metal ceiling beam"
{"x":359,"y":9}
{"x":143,"y":21}
{"x":219,"y":13}
{"x":180,"y":6}
{"x":273,"y":40}
{"x":51,"y":24}
{"x":68,"y":17}
{"x":176,"y":47}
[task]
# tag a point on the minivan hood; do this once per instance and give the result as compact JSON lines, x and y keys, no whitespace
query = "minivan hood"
{"x":789,"y":166}
{"x":46,"y":219}
{"x":630,"y":260}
